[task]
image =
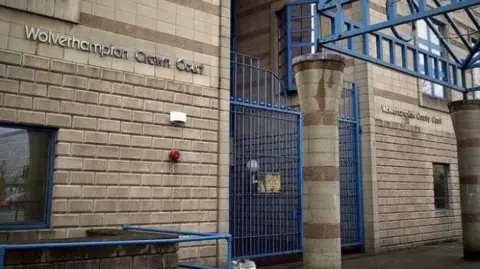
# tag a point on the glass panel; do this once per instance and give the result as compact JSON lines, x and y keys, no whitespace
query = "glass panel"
{"x":425,"y":86}
{"x":476,"y":76}
{"x":433,"y":38}
{"x":24,"y":169}
{"x":440,"y":185}
{"x":422,"y":29}
{"x":438,"y":90}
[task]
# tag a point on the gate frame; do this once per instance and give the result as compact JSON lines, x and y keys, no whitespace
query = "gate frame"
{"x":236,"y":101}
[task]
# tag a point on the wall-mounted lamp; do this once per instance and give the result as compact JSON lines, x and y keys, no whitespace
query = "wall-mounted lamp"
{"x":178,"y":117}
{"x":253,"y":167}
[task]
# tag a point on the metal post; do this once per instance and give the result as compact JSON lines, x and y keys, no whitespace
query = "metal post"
{"x":2,"y":257}
{"x":229,"y":253}
{"x":358,"y":167}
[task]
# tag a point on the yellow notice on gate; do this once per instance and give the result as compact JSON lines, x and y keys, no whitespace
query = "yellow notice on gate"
{"x":270,"y":183}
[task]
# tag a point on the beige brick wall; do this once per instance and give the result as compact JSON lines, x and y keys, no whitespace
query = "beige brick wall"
{"x":404,"y":152}
{"x":407,"y":214}
{"x":112,"y":115}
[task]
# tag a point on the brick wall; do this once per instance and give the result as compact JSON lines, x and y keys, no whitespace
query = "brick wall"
{"x":112,"y":115}
{"x":145,"y":257}
{"x":407,"y":214}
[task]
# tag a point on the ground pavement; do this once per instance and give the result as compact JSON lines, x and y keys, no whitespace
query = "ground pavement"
{"x":443,"y":256}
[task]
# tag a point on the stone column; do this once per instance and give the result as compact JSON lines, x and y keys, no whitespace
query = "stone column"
{"x":466,"y":123}
{"x":319,"y":82}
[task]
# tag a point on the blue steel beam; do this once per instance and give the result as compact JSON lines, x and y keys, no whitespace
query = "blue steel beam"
{"x":454,"y":6}
{"x":414,"y":73}
{"x":472,"y":58}
{"x":472,"y":18}
{"x":474,"y":89}
{"x":330,"y":5}
{"x":391,"y":39}
{"x":447,"y":65}
{"x":452,"y":24}
{"x":437,"y":33}
{"x":476,"y":65}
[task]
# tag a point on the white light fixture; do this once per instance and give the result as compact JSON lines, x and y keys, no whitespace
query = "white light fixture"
{"x":178,"y":117}
{"x":253,"y":167}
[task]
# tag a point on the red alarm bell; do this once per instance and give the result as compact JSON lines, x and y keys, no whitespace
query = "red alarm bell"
{"x":174,"y":154}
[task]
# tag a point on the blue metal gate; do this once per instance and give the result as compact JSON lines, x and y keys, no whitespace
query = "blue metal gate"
{"x":351,"y":211}
{"x":266,"y":169}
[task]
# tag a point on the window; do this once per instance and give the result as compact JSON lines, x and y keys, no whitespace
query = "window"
{"x":440,"y":185}
{"x":26,"y":163}
{"x":427,"y":40}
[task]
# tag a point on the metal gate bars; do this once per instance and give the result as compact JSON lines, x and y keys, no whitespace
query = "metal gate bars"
{"x":266,"y":169}
{"x":351,"y":211}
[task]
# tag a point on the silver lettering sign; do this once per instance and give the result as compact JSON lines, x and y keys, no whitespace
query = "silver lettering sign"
{"x":411,"y":115}
{"x":103,"y":50}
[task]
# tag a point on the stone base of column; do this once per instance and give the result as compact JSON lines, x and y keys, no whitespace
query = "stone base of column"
{"x":466,"y":123}
{"x":319,"y":83}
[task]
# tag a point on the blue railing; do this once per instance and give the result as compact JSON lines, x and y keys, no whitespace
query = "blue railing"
{"x":192,"y":237}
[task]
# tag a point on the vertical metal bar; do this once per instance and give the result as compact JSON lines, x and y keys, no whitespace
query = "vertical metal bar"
{"x":358,"y":167}
{"x":289,"y":50}
{"x":271,"y":90}
{"x":421,"y":5}
{"x":393,"y":52}
{"x":320,"y":30}
{"x":316,"y":25}
{"x":277,"y":204}
{"x":446,"y":70}
{"x":333,"y":25}
{"x":257,"y":220}
{"x":392,"y":9}
{"x":415,"y":60}
{"x":244,"y":180}
{"x":2,"y":257}
{"x":250,"y":96}
{"x":250,"y":182}
{"x":229,"y":253}
{"x":404,"y":57}
{"x":455,"y":74}
{"x":350,"y":39}
{"x":300,"y":179}
{"x":379,"y":47}
{"x":243,"y":78}
{"x":258,"y":85}
{"x":365,"y":6}
{"x":265,"y":87}
{"x":339,"y":19}
{"x":427,"y":66}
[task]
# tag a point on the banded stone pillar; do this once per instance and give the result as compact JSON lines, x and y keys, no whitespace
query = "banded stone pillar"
{"x":319,"y":82}
{"x":466,"y":123}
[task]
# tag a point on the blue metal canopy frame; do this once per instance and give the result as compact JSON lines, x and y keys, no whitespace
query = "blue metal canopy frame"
{"x":447,"y":70}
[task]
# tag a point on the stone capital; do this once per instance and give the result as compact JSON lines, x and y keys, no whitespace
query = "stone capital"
{"x":318,"y":61}
{"x":464,"y":105}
